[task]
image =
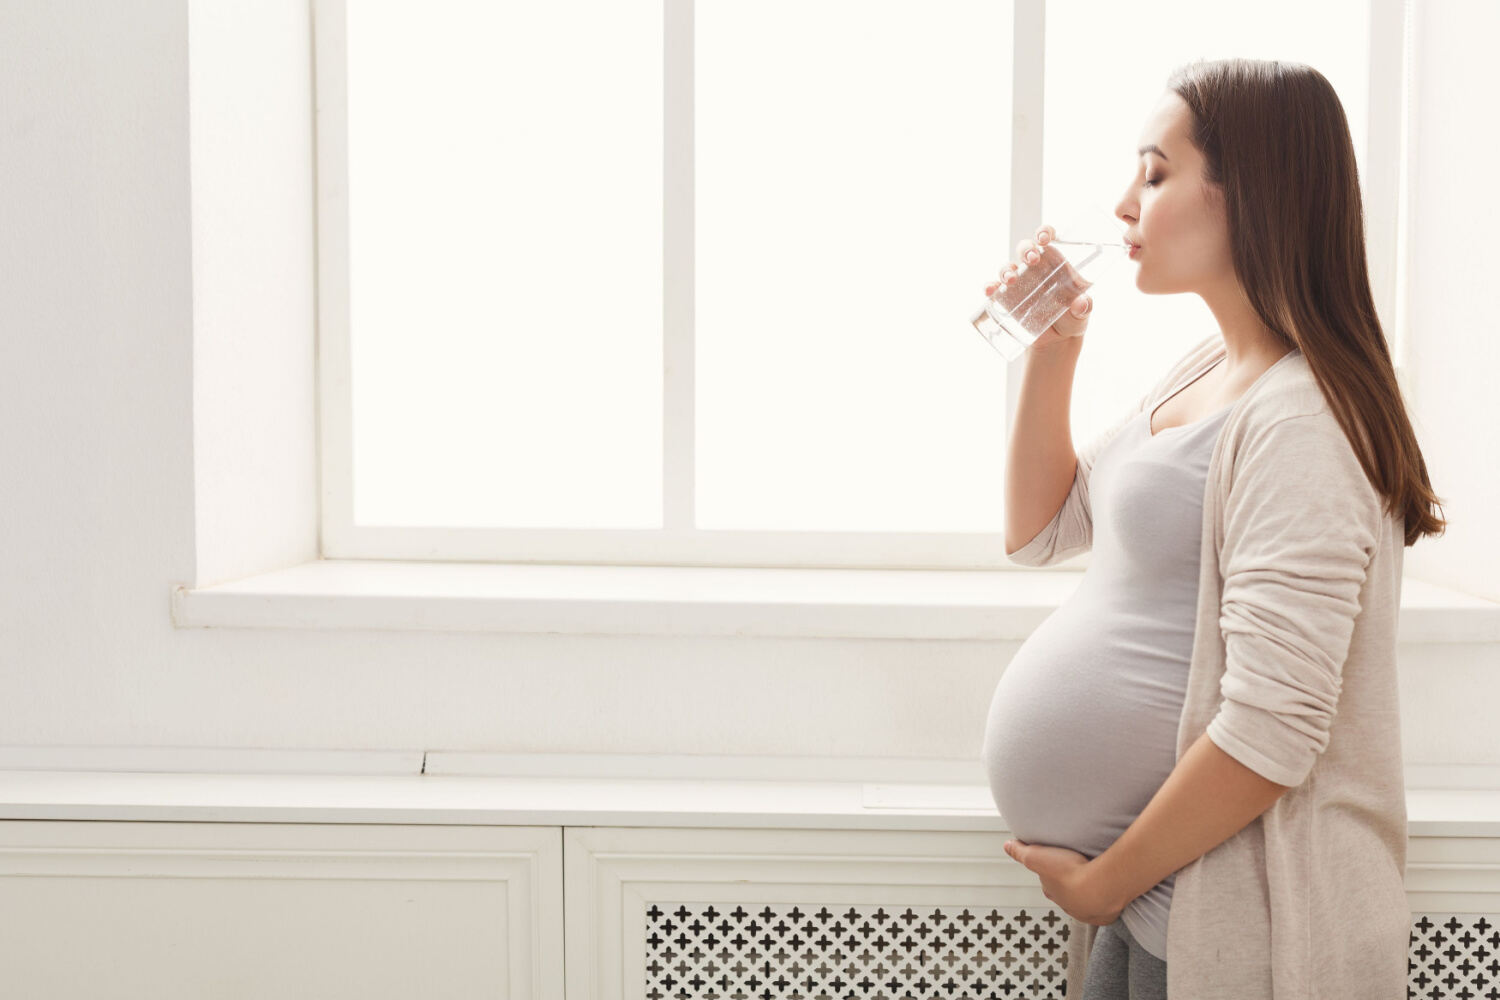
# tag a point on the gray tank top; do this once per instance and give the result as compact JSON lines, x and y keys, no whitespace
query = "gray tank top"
{"x":1082,"y":728}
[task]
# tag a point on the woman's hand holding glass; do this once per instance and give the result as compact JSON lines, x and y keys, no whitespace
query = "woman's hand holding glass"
{"x":1014,"y":285}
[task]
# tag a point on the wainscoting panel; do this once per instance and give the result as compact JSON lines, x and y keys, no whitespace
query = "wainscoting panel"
{"x":708,"y":914}
{"x":664,"y":913}
{"x":189,"y":911}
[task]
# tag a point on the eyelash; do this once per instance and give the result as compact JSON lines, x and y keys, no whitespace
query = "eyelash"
{"x":1149,"y":183}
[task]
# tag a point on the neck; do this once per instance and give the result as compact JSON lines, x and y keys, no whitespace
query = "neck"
{"x":1249,"y":345}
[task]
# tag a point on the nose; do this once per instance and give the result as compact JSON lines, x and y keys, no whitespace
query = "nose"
{"x":1126,"y":208}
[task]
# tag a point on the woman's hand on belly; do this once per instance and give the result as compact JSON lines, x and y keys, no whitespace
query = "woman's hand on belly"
{"x":1069,"y":880}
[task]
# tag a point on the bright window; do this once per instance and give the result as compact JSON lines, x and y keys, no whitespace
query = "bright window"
{"x":688,"y":284}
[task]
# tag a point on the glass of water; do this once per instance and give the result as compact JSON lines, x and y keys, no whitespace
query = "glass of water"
{"x":1089,"y":241}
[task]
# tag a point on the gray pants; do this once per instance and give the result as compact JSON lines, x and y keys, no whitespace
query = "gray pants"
{"x":1120,"y":969}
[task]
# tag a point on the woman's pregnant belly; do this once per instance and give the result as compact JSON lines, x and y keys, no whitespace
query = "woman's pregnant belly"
{"x":1082,"y":727}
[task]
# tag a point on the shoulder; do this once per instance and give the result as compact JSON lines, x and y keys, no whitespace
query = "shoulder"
{"x":1288,"y":389}
{"x":1288,"y":407}
{"x":1288,"y":441}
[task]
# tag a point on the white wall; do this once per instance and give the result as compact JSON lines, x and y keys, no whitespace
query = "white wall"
{"x":133,"y":260}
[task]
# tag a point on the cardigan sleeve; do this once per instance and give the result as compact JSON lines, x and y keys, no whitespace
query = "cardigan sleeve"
{"x":1300,"y":524}
{"x":1071,"y":530}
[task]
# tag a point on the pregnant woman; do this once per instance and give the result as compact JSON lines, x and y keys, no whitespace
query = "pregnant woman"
{"x":1199,"y":752}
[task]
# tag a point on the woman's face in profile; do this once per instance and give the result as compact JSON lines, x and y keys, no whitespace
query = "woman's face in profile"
{"x":1171,"y":212}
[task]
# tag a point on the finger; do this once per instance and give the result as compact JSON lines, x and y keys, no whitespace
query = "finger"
{"x":1082,"y":305}
{"x":1026,"y":252}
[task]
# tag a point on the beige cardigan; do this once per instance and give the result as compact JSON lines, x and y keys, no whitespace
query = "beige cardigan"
{"x":1293,"y":674}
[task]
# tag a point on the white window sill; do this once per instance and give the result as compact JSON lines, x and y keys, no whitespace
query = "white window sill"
{"x":532,"y":801}
{"x":689,"y":600}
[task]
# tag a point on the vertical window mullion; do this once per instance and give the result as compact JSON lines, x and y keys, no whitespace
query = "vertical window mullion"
{"x":335,"y":401}
{"x":1383,"y":154}
{"x":1401,"y":312}
{"x":678,"y":330}
{"x":1028,"y":65}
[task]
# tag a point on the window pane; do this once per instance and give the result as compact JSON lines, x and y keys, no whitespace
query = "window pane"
{"x":852,"y":173}
{"x":505,"y":189}
{"x":1093,"y":123}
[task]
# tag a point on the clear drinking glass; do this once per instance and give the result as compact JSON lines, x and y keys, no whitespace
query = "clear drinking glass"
{"x":1088,"y":242}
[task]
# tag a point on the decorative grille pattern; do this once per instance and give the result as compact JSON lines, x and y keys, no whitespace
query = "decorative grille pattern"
{"x":806,"y":952}
{"x":737,"y":951}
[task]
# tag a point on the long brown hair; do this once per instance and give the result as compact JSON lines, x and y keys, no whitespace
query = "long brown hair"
{"x":1277,"y":148}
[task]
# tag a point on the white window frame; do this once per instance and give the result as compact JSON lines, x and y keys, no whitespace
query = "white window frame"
{"x":678,"y":543}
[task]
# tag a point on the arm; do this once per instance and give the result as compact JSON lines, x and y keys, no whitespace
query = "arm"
{"x":1040,"y":461}
{"x":1208,"y":798}
{"x":1067,"y":526}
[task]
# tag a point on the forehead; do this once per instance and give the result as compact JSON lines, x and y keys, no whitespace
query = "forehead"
{"x":1167,"y":126}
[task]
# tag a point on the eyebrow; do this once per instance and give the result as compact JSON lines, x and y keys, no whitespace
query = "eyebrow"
{"x":1152,"y":148}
